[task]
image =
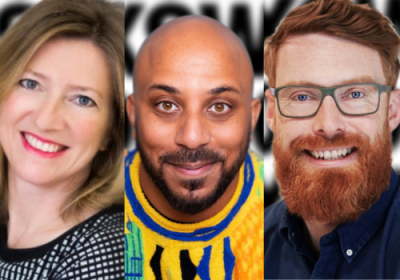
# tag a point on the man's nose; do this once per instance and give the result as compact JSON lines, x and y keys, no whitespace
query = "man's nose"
{"x":49,"y":115}
{"x":329,"y":121}
{"x":192,"y":131}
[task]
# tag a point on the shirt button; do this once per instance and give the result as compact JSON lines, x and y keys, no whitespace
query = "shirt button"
{"x":349,"y":252}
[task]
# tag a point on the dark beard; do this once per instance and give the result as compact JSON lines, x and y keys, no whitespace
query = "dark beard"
{"x":189,"y":204}
{"x":338,"y":194}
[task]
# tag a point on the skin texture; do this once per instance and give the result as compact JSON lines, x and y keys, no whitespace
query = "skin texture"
{"x":317,"y":59}
{"x":209,"y":69}
{"x":53,"y":108}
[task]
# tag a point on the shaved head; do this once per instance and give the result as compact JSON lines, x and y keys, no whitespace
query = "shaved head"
{"x":197,"y":40}
{"x":193,"y":114}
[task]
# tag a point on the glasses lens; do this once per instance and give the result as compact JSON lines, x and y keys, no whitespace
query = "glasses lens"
{"x":357,"y":99}
{"x":299,"y":101}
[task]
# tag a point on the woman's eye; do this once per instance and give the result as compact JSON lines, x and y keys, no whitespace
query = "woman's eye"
{"x":219,"y":108}
{"x":167,"y":106}
{"x":29,"y":84}
{"x":85,"y":101}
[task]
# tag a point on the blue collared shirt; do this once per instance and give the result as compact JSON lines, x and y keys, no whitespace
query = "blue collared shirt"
{"x":366,"y":248}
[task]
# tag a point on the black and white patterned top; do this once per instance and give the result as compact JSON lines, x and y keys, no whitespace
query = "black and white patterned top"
{"x":93,"y":249}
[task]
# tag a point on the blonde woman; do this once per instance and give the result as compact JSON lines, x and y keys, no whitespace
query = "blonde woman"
{"x":61,"y":142}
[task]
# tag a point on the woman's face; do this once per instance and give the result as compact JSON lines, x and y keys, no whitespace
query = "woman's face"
{"x":56,"y":118}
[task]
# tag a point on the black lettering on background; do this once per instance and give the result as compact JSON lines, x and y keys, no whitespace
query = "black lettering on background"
{"x":241,"y":25}
{"x":159,"y":14}
{"x":9,"y":13}
{"x":131,"y":13}
{"x":209,"y":10}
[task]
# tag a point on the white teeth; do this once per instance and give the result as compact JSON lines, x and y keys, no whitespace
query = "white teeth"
{"x":44,"y":147}
{"x":331,"y":155}
{"x":327,"y":155}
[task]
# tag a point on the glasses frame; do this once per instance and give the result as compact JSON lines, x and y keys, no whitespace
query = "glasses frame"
{"x":330,"y":91}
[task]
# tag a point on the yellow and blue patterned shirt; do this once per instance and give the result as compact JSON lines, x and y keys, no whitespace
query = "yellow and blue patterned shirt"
{"x":226,"y":246}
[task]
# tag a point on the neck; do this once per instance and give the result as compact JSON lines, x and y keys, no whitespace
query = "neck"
{"x":35,"y":211}
{"x":158,"y":201}
{"x":317,"y":229}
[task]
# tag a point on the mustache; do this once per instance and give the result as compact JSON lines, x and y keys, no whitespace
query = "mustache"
{"x":191,"y":156}
{"x":318,"y":142}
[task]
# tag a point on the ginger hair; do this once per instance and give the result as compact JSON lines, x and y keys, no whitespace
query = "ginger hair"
{"x":339,"y":18}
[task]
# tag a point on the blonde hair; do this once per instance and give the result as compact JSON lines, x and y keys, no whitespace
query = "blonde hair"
{"x":340,"y":18}
{"x":103,"y":24}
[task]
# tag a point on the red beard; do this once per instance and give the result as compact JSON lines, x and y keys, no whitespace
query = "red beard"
{"x":337,"y":194}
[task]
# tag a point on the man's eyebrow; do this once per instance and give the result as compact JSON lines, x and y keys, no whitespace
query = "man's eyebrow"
{"x":222,"y":89}
{"x":166,"y":88}
{"x":214,"y":91}
{"x":357,"y":80}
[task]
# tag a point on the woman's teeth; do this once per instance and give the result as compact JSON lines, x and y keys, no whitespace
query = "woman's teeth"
{"x":44,"y":147}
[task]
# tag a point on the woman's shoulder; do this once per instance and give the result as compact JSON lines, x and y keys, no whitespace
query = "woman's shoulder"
{"x":106,"y":220}
{"x":104,"y":226}
{"x":95,"y":245}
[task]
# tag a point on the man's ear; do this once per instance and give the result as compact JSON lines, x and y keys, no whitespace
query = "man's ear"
{"x":255,"y":112}
{"x":270,"y":109}
{"x":130,"y":110}
{"x":394,"y":109}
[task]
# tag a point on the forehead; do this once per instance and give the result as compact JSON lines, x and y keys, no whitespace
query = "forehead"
{"x":193,"y":66}
{"x":70,"y":60}
{"x":326,"y":61}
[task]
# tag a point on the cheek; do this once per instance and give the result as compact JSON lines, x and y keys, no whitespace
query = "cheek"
{"x":231,"y":135}
{"x":287,"y":130}
{"x":89,"y":132}
{"x":12,"y":110}
{"x":155,"y":134}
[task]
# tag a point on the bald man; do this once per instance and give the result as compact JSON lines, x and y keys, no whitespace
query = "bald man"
{"x":194,"y":192}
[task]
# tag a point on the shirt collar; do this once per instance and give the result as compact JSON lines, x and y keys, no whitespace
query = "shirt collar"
{"x":352,"y":235}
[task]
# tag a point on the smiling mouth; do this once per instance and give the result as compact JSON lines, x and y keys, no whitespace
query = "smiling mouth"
{"x":192,"y":166}
{"x":192,"y":170}
{"x":331,"y":154}
{"x":42,"y":146}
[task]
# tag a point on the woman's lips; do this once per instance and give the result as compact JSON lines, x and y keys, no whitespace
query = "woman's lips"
{"x":40,"y":146}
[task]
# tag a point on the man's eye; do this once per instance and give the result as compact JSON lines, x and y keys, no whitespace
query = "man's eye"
{"x":28,"y":84}
{"x":84,"y":101}
{"x":167,"y":106}
{"x":302,"y":97}
{"x":356,"y":94}
{"x":219,"y":108}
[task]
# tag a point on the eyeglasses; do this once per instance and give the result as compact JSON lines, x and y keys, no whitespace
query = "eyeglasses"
{"x":353,"y":99}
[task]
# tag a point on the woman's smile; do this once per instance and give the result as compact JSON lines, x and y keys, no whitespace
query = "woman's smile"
{"x":42,"y":147}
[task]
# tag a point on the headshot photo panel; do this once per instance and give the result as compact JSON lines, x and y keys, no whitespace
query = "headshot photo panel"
{"x":194,"y":187}
{"x":332,"y":151}
{"x":62,"y":139}
{"x":199,"y":140}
